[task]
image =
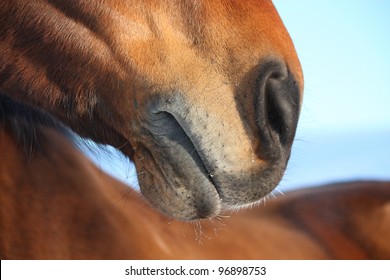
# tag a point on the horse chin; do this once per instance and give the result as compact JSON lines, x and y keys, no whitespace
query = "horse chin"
{"x":176,"y":184}
{"x":179,"y":185}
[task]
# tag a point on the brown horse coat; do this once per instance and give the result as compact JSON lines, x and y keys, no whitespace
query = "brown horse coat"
{"x":204,"y":96}
{"x":55,"y":204}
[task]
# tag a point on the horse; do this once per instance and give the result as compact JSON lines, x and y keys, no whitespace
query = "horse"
{"x":56,"y":204}
{"x":203,"y":96}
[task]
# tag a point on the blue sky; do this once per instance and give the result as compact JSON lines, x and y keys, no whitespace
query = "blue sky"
{"x":344,"y":129}
{"x":344,"y":48}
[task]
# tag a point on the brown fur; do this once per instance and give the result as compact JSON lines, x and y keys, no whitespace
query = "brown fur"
{"x":58,"y":205}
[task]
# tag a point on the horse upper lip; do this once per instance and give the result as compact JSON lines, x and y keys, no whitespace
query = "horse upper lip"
{"x":204,"y":168}
{"x":173,"y":127}
{"x":202,"y":161}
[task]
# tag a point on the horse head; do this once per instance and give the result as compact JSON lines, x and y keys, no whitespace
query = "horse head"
{"x":203,"y":96}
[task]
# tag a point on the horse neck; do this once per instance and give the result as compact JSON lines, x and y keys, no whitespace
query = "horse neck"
{"x":57,"y":192}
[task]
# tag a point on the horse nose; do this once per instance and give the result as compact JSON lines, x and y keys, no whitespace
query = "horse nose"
{"x":277,"y":107}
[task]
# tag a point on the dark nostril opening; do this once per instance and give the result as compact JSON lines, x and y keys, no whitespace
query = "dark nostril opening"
{"x":277,"y":106}
{"x":281,"y":106}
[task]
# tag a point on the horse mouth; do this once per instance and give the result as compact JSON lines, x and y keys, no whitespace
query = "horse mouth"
{"x":184,"y":182}
{"x":178,"y":183}
{"x":188,"y":142}
{"x":178,"y":133}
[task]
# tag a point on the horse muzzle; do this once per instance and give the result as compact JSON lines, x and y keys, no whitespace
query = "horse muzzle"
{"x":218,"y":150}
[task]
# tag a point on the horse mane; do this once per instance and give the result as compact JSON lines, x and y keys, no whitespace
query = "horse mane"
{"x":27,"y":125}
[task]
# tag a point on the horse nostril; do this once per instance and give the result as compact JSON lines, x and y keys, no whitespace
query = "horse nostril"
{"x":277,"y":106}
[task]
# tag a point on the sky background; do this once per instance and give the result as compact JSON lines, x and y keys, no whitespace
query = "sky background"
{"x":344,"y":128}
